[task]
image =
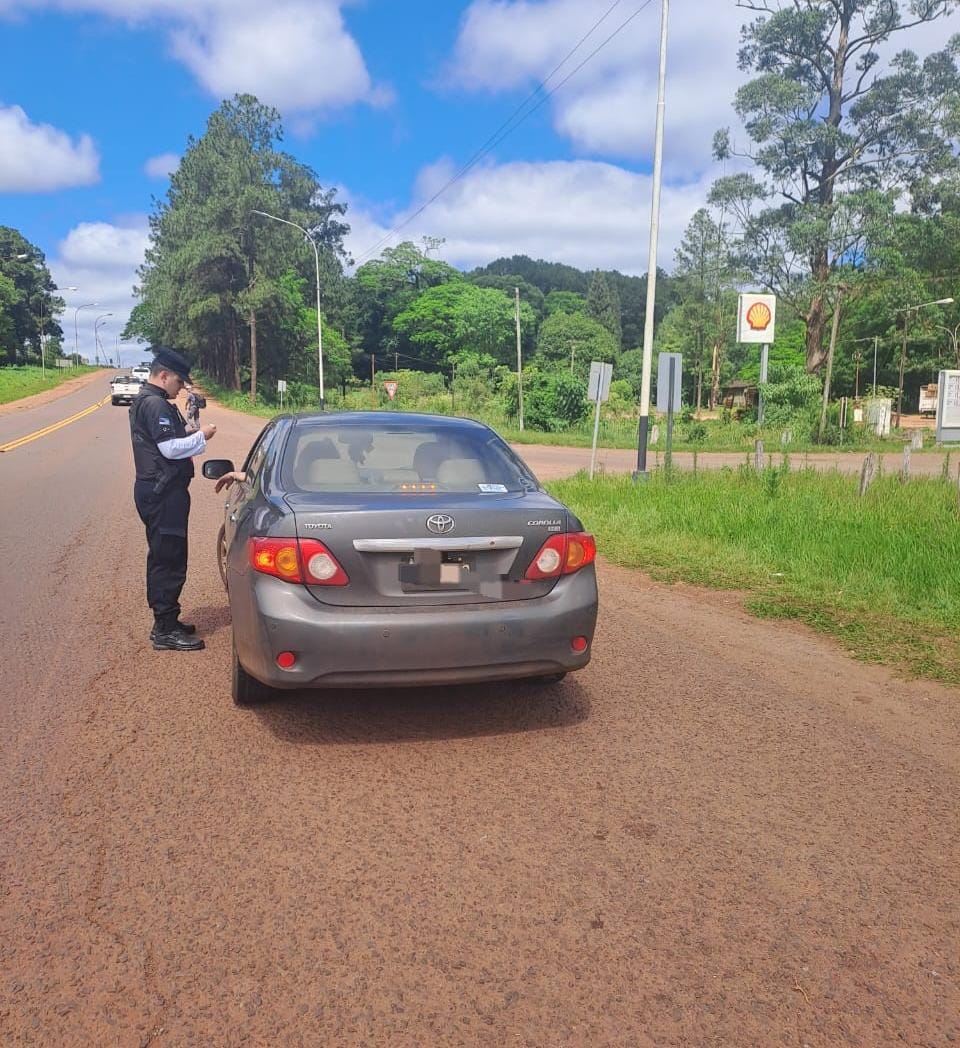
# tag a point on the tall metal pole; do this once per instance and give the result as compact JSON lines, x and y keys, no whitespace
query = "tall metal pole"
{"x":316,"y":259}
{"x":516,"y":294}
{"x":903,"y":360}
{"x":76,"y":337}
{"x":652,"y":253}
{"x":43,"y":366}
{"x":876,"y":340}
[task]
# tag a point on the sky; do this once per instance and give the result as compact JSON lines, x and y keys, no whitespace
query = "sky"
{"x":386,"y":100}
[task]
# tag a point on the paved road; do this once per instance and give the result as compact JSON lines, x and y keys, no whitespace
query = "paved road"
{"x":722,"y":832}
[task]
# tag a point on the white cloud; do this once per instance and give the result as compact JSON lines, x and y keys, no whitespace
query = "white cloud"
{"x":296,"y":55}
{"x":101,"y":259}
{"x":585,"y":213}
{"x":161,"y":166}
{"x":608,"y":107}
{"x":38,"y":158}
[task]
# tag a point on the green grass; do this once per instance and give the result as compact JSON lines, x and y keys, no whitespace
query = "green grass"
{"x":881,"y":573}
{"x":19,"y":382}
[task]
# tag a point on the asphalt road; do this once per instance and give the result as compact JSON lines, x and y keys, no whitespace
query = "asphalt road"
{"x":722,"y":832}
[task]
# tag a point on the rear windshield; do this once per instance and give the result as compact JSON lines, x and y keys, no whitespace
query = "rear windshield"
{"x":401,"y":459}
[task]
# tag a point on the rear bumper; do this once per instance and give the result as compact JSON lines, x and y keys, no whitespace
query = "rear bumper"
{"x":338,"y":647}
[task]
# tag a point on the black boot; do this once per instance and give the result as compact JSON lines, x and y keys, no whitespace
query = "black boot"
{"x":176,"y":640}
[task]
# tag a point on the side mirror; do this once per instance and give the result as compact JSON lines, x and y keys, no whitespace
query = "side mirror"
{"x":214,"y":469}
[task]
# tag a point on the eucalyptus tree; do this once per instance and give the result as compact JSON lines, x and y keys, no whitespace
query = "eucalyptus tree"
{"x":838,"y":133}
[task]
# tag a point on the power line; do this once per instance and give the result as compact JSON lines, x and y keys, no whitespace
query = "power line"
{"x":511,"y":123}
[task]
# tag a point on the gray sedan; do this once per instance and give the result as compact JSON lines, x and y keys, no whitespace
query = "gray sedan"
{"x":382,"y":549}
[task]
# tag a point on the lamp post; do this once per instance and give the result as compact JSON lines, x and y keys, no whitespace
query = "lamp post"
{"x":43,"y":366}
{"x":96,"y":335}
{"x":647,"y":360}
{"x":954,"y":338}
{"x":906,"y":311}
{"x":76,"y":337}
{"x":316,"y":258}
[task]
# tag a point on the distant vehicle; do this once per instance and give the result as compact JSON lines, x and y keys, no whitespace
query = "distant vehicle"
{"x":928,"y":399}
{"x":123,"y":388}
{"x":368,"y":549}
{"x":141,"y":372}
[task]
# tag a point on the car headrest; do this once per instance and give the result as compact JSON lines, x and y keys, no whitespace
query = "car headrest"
{"x":427,"y":458}
{"x":461,"y":473}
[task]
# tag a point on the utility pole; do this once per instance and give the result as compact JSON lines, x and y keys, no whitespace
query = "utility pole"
{"x":516,"y":299}
{"x":829,"y":374}
{"x":373,"y":377}
{"x":644,"y":425}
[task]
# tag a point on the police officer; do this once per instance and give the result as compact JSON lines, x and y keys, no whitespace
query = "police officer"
{"x":162,"y":456}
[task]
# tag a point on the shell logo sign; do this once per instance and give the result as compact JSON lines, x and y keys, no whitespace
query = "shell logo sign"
{"x":756,"y":318}
{"x":759,"y":316}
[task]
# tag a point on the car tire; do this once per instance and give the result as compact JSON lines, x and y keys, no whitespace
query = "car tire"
{"x":222,"y":554}
{"x":247,"y":690}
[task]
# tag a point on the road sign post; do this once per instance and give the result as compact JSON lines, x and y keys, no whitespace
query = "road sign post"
{"x":391,"y":387}
{"x":669,"y":386}
{"x":281,"y":389}
{"x":598,"y":390}
{"x":756,"y":323}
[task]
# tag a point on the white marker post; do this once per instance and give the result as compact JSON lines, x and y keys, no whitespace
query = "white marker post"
{"x":598,"y":391}
{"x":281,"y":389}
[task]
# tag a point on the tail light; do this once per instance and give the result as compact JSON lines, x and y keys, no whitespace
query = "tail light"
{"x":562,"y":555}
{"x":297,"y":560}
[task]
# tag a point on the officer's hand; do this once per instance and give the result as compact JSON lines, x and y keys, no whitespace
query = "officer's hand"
{"x":227,"y":479}
{"x":208,"y":430}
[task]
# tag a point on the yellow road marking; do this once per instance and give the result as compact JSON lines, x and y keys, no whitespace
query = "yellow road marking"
{"x":12,"y":445}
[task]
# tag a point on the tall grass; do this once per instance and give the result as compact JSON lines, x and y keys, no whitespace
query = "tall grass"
{"x":17,"y":382}
{"x":881,"y":572}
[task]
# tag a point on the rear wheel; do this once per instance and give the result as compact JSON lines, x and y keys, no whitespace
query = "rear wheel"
{"x":222,"y":554}
{"x":247,"y":690}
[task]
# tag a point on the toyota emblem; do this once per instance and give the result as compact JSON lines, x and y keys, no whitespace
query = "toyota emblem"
{"x":440,"y":524}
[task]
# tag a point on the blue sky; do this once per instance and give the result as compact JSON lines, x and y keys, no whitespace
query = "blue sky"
{"x":385,"y":99}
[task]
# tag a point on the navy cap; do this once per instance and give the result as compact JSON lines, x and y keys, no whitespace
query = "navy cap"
{"x":171,"y":360}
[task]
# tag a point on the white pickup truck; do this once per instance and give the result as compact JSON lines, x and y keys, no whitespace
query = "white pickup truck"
{"x":123,"y":388}
{"x":928,"y":399}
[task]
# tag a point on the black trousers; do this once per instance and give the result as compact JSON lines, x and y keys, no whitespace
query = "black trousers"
{"x":165,"y":517}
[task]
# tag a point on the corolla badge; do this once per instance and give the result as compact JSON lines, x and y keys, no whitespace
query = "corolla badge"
{"x":440,"y":524}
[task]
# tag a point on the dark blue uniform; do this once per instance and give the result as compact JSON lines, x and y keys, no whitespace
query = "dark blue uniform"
{"x":162,"y":501}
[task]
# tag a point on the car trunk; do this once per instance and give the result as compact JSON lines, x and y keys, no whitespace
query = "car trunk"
{"x":393,"y":559}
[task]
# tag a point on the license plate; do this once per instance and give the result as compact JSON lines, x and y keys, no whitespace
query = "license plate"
{"x":432,"y":574}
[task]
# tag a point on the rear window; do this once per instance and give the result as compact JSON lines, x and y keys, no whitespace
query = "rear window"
{"x":376,"y":460}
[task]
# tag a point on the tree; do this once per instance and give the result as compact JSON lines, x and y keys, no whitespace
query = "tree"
{"x":212,"y":281}
{"x":27,"y":292}
{"x":570,"y":341}
{"x":705,"y":276}
{"x":837,"y":137}
{"x":458,"y":316}
{"x":603,"y":304}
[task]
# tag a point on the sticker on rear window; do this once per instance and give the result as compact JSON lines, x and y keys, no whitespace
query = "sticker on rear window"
{"x":493,"y":489}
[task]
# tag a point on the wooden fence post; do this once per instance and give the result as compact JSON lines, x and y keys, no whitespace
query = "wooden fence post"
{"x":758,"y":455}
{"x":868,"y":472}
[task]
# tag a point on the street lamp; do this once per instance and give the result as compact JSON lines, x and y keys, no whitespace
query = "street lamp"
{"x":906,"y":311}
{"x":96,"y":336}
{"x":316,"y":257}
{"x":954,"y":338}
{"x":76,"y":339}
{"x":43,"y":367}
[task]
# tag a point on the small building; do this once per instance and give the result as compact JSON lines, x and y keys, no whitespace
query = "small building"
{"x":738,"y":394}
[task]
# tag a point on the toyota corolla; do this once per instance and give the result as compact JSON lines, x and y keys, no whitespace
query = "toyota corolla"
{"x":383,"y":549}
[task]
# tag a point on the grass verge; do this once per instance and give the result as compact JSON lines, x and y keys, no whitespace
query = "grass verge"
{"x":880,"y":573}
{"x":19,"y":382}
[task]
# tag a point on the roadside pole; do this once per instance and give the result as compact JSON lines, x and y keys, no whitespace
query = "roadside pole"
{"x":764,"y":359}
{"x":516,"y":292}
{"x":671,"y":387}
{"x":644,"y":422}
